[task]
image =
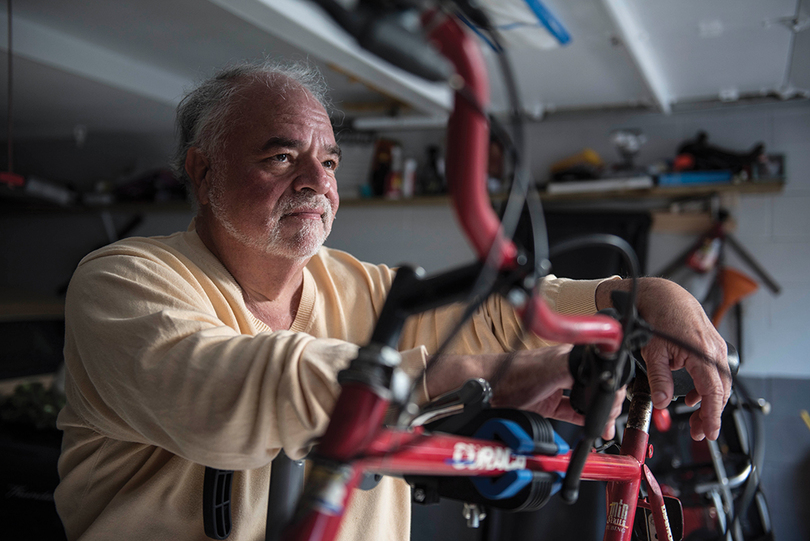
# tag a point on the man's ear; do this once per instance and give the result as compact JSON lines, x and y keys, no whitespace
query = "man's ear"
{"x":198,"y":168}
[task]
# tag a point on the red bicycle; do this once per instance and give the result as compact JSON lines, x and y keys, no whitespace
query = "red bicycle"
{"x":484,"y":456}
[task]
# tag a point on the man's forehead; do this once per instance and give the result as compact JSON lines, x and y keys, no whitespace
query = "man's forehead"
{"x":300,"y":115}
{"x":286,"y":98}
{"x":298,"y":124}
{"x":285,"y":113}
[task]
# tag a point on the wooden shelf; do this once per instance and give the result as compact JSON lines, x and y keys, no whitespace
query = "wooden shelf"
{"x":39,"y":207}
{"x":667,"y":192}
{"x":419,"y":201}
{"x":658,"y":192}
{"x":673,"y":192}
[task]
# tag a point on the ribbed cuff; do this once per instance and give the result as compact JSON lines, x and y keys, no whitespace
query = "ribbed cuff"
{"x":573,"y":297}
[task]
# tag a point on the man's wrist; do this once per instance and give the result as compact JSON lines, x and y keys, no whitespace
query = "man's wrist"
{"x":605,"y":288}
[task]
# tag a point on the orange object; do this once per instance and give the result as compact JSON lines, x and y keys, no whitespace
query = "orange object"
{"x":735,"y":287}
{"x":683,"y":162}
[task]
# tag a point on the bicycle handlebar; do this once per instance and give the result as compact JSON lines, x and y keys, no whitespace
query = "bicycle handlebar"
{"x":468,"y":142}
{"x":366,"y":384}
{"x":467,"y":159}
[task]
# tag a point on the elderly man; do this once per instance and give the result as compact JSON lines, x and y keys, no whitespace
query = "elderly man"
{"x":220,"y":345}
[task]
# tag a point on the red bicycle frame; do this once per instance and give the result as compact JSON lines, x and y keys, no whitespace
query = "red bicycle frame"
{"x":415,"y":452}
{"x":356,"y":441}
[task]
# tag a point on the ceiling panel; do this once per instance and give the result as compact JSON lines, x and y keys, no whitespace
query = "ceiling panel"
{"x":591,"y":71}
{"x":709,"y":48}
{"x":67,"y":100}
{"x":123,"y":64}
{"x":186,"y":37}
{"x":135,"y":58}
{"x":800,"y":65}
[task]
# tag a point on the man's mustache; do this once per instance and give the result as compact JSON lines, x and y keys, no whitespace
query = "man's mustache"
{"x":298,"y":200}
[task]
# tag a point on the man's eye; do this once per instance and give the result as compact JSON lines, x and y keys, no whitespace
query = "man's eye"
{"x":330,"y":164}
{"x":280,"y":158}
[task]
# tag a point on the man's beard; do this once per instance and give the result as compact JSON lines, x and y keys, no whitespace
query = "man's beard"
{"x":302,"y":244}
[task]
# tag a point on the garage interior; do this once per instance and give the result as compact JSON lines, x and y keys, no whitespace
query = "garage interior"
{"x":92,"y":88}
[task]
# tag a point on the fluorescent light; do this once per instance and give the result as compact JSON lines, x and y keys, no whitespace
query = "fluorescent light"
{"x":400,"y":123}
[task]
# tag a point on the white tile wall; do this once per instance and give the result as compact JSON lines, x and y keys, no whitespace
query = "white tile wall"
{"x":425,"y":236}
{"x":758,"y":214}
{"x":774,"y":228}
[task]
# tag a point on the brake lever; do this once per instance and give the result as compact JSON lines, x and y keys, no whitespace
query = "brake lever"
{"x":474,"y":393}
{"x":595,"y":373}
{"x":597,"y":378}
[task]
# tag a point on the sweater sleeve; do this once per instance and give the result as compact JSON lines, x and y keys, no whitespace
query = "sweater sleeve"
{"x":144,"y":331}
{"x":495,"y":327}
{"x":572,"y":297}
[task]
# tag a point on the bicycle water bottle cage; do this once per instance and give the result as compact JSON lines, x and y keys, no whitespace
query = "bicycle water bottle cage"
{"x":518,"y":490}
{"x":217,"y":503}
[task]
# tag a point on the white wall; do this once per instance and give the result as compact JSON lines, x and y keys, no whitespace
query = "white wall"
{"x":774,"y":228}
{"x":38,"y":252}
{"x":426,"y":236}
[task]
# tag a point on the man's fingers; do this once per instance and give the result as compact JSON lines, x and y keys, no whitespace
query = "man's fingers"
{"x":702,"y":426}
{"x":706,"y":419}
{"x":615,"y":411}
{"x":712,"y":389}
{"x":711,"y":395}
{"x":696,"y":427}
{"x":659,"y":375}
{"x":564,"y":412}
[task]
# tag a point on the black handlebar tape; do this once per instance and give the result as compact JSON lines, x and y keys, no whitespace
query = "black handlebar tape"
{"x":599,"y":413}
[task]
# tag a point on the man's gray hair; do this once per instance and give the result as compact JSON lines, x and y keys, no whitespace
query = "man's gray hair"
{"x":203,"y":113}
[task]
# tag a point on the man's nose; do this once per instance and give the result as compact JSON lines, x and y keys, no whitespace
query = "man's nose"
{"x":314,"y":176}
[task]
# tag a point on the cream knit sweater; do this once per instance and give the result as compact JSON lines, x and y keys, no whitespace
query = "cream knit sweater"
{"x":168,"y":372}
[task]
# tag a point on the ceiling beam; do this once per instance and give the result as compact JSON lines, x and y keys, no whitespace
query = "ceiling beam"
{"x":307,"y":27}
{"x":637,"y":42}
{"x":52,"y":48}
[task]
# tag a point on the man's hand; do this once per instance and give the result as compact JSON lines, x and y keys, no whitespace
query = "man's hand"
{"x":535,"y":381}
{"x":672,"y":310}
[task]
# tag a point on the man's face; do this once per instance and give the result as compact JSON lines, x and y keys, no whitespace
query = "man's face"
{"x":273,"y":189}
